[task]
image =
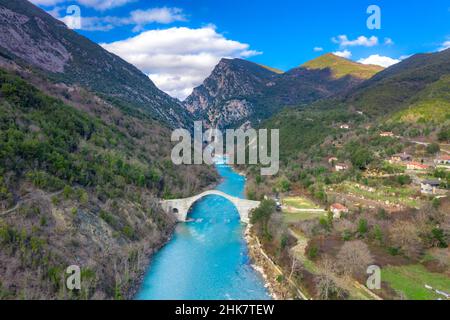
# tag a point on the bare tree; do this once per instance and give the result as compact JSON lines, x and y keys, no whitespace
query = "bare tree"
{"x":405,"y":235}
{"x":327,"y":282}
{"x":296,"y":266}
{"x":354,"y":257}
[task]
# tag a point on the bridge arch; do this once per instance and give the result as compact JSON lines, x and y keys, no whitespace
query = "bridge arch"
{"x":180,"y":207}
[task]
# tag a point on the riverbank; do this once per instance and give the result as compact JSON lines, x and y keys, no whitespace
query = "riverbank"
{"x":273,"y":275}
{"x":211,"y":249}
{"x":137,"y":282}
{"x":262,"y":263}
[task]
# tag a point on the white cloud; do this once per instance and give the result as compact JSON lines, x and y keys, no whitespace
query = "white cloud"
{"x":46,"y":2}
{"x":388,"y":41}
{"x":179,"y":59}
{"x":104,"y":4}
{"x":378,"y":60}
{"x":100,"y":5}
{"x":159,"y":15}
{"x":445,"y":46}
{"x":318,"y":49}
{"x":344,"y":41}
{"x":405,"y":56}
{"x":344,"y":54}
{"x":139,"y":19}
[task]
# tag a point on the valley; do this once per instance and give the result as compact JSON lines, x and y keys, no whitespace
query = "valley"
{"x":87,"y":175}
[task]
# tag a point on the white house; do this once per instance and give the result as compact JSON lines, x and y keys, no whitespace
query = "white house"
{"x":338,"y":209}
{"x":442,"y":160}
{"x":341,"y":167}
{"x":429,"y":186}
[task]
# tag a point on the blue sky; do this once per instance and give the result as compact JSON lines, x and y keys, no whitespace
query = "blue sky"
{"x":178,"y":42}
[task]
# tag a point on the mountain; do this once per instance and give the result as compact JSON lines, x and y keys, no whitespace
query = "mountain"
{"x":31,"y":37}
{"x":224,"y":97}
{"x":394,"y":88}
{"x":430,"y":106}
{"x":410,"y":98}
{"x":341,"y":67}
{"x":239,"y":91}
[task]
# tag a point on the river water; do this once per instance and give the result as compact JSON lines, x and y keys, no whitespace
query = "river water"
{"x":207,"y":259}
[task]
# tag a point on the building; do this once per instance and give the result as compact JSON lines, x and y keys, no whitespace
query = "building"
{"x":338,"y":209}
{"x":429,"y":186}
{"x":387,"y":134}
{"x":341,"y":167}
{"x":442,"y":160}
{"x":401,"y":157}
{"x":345,"y":126}
{"x":416,"y":166}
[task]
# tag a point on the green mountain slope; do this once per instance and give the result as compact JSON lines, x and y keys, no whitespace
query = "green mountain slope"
{"x":341,"y":67}
{"x":79,"y":184}
{"x":410,"y":98}
{"x":431,"y":105}
{"x":392,"y":89}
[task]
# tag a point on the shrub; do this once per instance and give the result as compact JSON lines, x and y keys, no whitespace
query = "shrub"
{"x":312,"y":252}
{"x":433,"y":148}
{"x":128,"y":232}
{"x":362,"y":227}
{"x":347,"y":235}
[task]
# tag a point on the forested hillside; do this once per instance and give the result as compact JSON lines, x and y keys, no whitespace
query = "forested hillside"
{"x":80,"y":189}
{"x":376,"y":161}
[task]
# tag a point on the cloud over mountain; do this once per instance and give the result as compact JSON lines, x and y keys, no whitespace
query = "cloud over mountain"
{"x":379,"y":60}
{"x":179,"y":58}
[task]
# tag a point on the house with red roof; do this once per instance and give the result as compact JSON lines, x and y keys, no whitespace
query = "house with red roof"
{"x":442,"y":160}
{"x":416,"y":166}
{"x":338,"y":209}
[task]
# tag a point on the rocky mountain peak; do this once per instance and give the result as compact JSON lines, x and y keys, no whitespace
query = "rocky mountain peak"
{"x":239,"y":91}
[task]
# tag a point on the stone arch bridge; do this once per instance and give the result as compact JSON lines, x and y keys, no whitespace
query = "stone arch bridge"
{"x":180,"y":207}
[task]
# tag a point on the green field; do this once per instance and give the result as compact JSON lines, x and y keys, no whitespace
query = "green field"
{"x":395,"y":195}
{"x":411,"y":280}
{"x":299,"y":203}
{"x":293,"y":217}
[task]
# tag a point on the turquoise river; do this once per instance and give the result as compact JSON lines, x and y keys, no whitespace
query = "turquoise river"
{"x":208,"y":257}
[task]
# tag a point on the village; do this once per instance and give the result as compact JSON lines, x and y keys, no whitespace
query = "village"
{"x":349,"y":204}
{"x":419,"y":169}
